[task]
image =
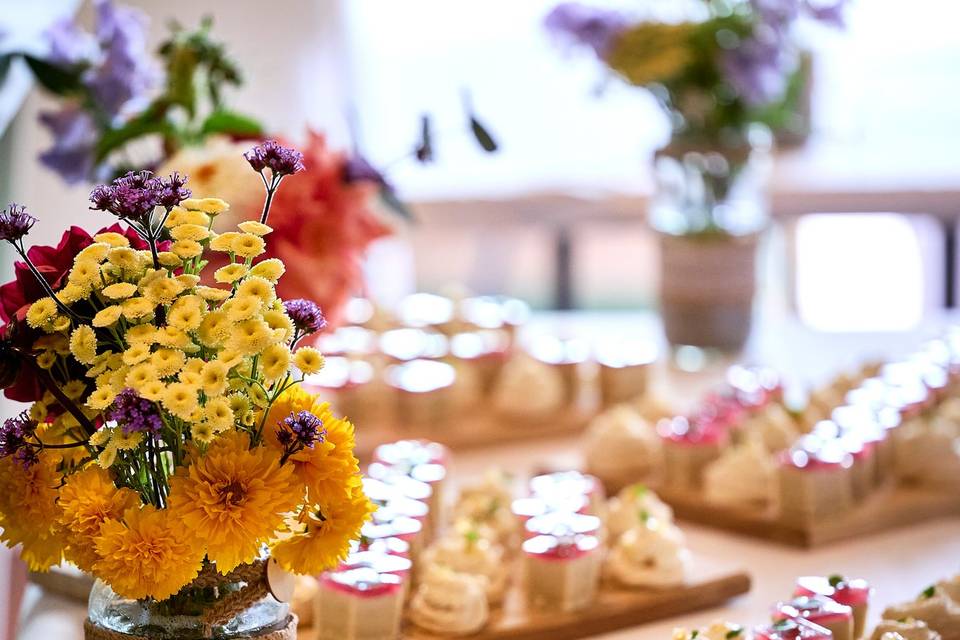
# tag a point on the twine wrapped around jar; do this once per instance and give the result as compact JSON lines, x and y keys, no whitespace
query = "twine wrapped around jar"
{"x":254,"y":577}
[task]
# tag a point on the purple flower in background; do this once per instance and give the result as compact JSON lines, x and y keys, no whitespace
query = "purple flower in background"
{"x":69,"y":44}
{"x":15,"y":222}
{"x":358,"y":169}
{"x":172,"y":191}
{"x":590,"y":26}
{"x":75,"y":137}
{"x":281,"y":160}
{"x":305,"y":314}
{"x":134,"y":413}
{"x":757,"y":68}
{"x":830,"y":13}
{"x":125,"y":72}
{"x":14,"y":439}
{"x":299,"y":431}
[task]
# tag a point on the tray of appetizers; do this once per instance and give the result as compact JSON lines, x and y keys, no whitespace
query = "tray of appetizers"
{"x":456,"y":371}
{"x":548,"y":556}
{"x":870,"y":452}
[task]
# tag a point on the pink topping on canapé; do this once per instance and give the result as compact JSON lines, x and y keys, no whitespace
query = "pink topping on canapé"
{"x":547,"y":547}
{"x":849,"y":592}
{"x":683,"y":431}
{"x":814,"y":453}
{"x":815,"y":608}
{"x":363,"y":582}
{"x":792,"y":629}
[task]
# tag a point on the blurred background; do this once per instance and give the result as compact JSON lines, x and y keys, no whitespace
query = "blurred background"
{"x":852,"y":246}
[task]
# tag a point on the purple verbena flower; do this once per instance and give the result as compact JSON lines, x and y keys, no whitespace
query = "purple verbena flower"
{"x":757,"y":69}
{"x":134,"y":196}
{"x":75,"y":138}
{"x":590,"y":26}
{"x":134,"y":413}
{"x":305,"y":428}
{"x":830,"y":13}
{"x":282,"y":161}
{"x":305,"y":314}
{"x":15,"y":434}
{"x":69,"y":44}
{"x":15,"y":222}
{"x":172,"y":190}
{"x":358,"y":169}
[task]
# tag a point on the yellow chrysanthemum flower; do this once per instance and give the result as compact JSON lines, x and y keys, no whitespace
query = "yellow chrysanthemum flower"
{"x":161,"y":290}
{"x":29,"y":512}
{"x":107,"y":316}
{"x":143,"y":333}
{"x":137,"y":308}
{"x":275,"y":361}
{"x":140,"y":375}
{"x":194,"y":232}
{"x":39,"y":411}
{"x":212,"y":206}
{"x":250,"y":337}
{"x":74,"y":389}
{"x":239,"y":404}
{"x":247,"y":245}
{"x":153,"y":390}
{"x":188,"y":280}
{"x":87,"y":500}
{"x":308,"y":360}
{"x":83,"y":344}
{"x":60,"y":323}
{"x":230,"y":273}
{"x":186,"y":313}
{"x":329,"y":469}
{"x":271,"y":269}
{"x":96,"y":252}
{"x":120,"y":290}
{"x":224,"y":241}
{"x":278,"y":319}
{"x":213,"y":378}
{"x":73,"y":292}
{"x":136,"y":354}
{"x":124,"y":258}
{"x":172,"y":337}
{"x":148,"y":555}
{"x":181,"y":216}
{"x":257,"y":287}
{"x":218,"y":414}
{"x":180,"y":399}
{"x":202,"y":432}
{"x":323,"y":533}
{"x":187,"y":248}
{"x":84,"y":274}
{"x":254,"y":227}
{"x":169,"y":259}
{"x":212,"y":294}
{"x":258,"y":397}
{"x":242,"y":307}
{"x":46,"y":359}
{"x":41,"y":312}
{"x":112,"y":238}
{"x":231,"y":358}
{"x":234,"y":497}
{"x":167,"y":361}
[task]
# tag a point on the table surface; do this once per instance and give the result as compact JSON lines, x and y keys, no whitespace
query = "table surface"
{"x":899,"y":563}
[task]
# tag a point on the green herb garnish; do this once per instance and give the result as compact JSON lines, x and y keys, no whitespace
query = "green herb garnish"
{"x":835,"y":580}
{"x":639,"y":490}
{"x":928,"y":592}
{"x":733,"y":633}
{"x":644,"y":515}
{"x":694,"y":634}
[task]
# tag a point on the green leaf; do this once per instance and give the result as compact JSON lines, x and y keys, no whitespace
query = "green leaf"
{"x":393,"y":202}
{"x":151,"y":121}
{"x":231,"y":123}
{"x":54,"y":79}
{"x":483,"y":137}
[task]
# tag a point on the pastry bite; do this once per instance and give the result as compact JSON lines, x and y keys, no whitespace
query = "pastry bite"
{"x":624,"y":371}
{"x":633,"y":505}
{"x":935,"y":607}
{"x":468,"y":551}
{"x":488,"y":506}
{"x":651,"y":555}
{"x":791,"y":629}
{"x":653,"y":407}
{"x":815,"y":481}
{"x":929,"y":456}
{"x":450,"y":603}
{"x":389,"y":525}
{"x":563,"y":524}
{"x":688,"y":447}
{"x":359,"y":603}
{"x":354,"y":388}
{"x":384,"y":478}
{"x":404,"y":345}
{"x":829,"y":614}
{"x":528,"y":389}
{"x":560,"y":486}
{"x":773,"y":426}
{"x":744,"y":476}
{"x":425,"y":311}
{"x":852,"y":592}
{"x":717,"y":630}
{"x":562,"y":574}
{"x":567,"y":358}
{"x":621,"y":447}
{"x":906,"y":628}
{"x":424,"y":391}
{"x":483,"y":352}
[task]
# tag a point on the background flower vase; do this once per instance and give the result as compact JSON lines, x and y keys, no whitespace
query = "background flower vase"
{"x":237,"y":605}
{"x":709,"y":211}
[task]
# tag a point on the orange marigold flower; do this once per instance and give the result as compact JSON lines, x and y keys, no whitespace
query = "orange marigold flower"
{"x":148,"y":554}
{"x":235,"y":498}
{"x":29,"y":511}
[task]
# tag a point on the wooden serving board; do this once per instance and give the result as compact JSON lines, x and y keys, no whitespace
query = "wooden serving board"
{"x":615,"y":608}
{"x":473,"y":431}
{"x":888,"y":508}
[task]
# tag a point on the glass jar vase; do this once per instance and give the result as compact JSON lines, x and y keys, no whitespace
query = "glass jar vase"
{"x":205,"y":609}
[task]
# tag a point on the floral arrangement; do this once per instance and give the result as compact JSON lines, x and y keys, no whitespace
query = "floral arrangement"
{"x":122,"y":109}
{"x":168,"y":433}
{"x":731,"y":64}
